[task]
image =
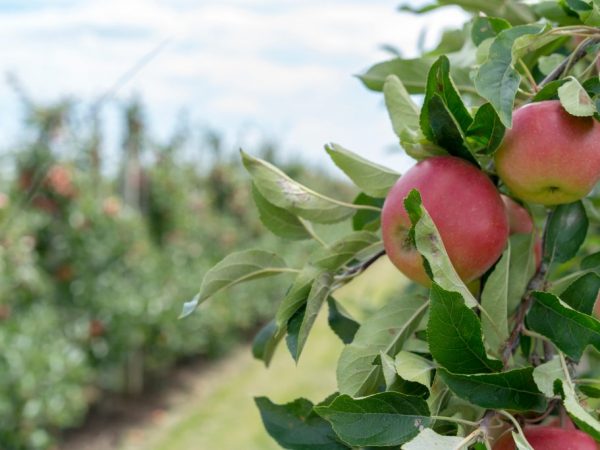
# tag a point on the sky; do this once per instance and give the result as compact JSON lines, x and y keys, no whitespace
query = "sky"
{"x":279,"y":68}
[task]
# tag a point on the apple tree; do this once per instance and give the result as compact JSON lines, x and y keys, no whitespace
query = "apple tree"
{"x":496,"y":343}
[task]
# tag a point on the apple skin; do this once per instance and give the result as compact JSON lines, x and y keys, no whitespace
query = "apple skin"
{"x":549,"y":156}
{"x":520,"y":221}
{"x":550,"y":438}
{"x":465,"y":207}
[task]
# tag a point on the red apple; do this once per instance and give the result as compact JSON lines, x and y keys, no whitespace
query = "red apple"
{"x":549,"y":156}
{"x":550,"y":438}
{"x":464,"y":205}
{"x":520,"y":221}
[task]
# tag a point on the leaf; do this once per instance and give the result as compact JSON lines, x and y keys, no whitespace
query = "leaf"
{"x":521,"y":441}
{"x":293,"y":330}
{"x":295,"y":426}
{"x":545,"y":374}
{"x":521,"y":268}
{"x":265,"y":342}
{"x":514,"y":390}
{"x":403,"y":112}
{"x":386,"y":330}
{"x":341,"y":322}
{"x":547,"y":64}
{"x":366,"y":219}
{"x":494,"y":300}
{"x":296,"y":296}
{"x":454,"y":335}
{"x":497,"y":80}
{"x":430,"y":246}
{"x":278,"y":220}
{"x":428,"y":439}
{"x":582,"y":418}
{"x":233,"y":269}
{"x":282,"y":191}
{"x":414,"y":368}
{"x":486,"y":132}
{"x":344,"y":250}
{"x":575,"y":99}
{"x":566,"y":232}
{"x":582,"y":293}
{"x":487,"y":27}
{"x":384,"y":419}
{"x":373,"y":179}
{"x":576,"y":330}
{"x":319,"y":291}
{"x":591,"y":262}
{"x":549,"y":92}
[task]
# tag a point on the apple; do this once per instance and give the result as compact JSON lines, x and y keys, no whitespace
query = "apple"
{"x":549,"y":438}
{"x":520,"y":221}
{"x":465,"y":207}
{"x":549,"y":156}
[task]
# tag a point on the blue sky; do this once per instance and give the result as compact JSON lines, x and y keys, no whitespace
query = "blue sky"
{"x":279,"y":67}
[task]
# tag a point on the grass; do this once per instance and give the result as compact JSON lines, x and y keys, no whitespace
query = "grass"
{"x":219,"y":411}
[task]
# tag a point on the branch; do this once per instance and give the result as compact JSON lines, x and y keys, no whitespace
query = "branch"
{"x":564,"y":66}
{"x":359,"y":268}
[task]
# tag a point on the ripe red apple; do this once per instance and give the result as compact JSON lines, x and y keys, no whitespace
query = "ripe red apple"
{"x":550,"y":438}
{"x":549,"y":156}
{"x":520,"y":221}
{"x":464,"y":205}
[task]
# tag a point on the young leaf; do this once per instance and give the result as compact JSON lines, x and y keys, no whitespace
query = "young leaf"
{"x":341,"y":322}
{"x":485,"y":134}
{"x":487,"y":27}
{"x":497,"y":80}
{"x":279,"y":221}
{"x":428,"y":439}
{"x":566,"y":232}
{"x":387,"y":330}
{"x":282,"y":191}
{"x":494,"y":300}
{"x":265,"y":342}
{"x":384,"y":419}
{"x":582,"y":293}
{"x":366,"y":219}
{"x":514,"y":390}
{"x":546,"y":374}
{"x":295,"y":426}
{"x":414,"y":368}
{"x":575,"y":99}
{"x":233,"y":269}
{"x":576,"y":330}
{"x":430,"y":246}
{"x":454,"y":335}
{"x":344,"y":250}
{"x":403,"y":112}
{"x":371,"y":178}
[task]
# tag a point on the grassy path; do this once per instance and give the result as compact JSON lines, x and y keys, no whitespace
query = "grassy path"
{"x":218,"y":411}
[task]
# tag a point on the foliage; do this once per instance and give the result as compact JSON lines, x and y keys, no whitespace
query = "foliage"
{"x":447,"y":367}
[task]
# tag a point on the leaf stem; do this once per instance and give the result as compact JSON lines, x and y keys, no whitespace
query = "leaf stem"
{"x":310,"y":230}
{"x":529,"y":76}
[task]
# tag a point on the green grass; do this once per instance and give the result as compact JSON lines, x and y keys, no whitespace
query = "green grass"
{"x":219,"y":412}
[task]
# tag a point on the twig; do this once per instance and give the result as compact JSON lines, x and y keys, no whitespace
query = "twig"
{"x":361,"y":267}
{"x":564,"y":66}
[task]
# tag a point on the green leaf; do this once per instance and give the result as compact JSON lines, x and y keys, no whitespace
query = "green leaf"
{"x":282,"y":191}
{"x":545,"y":374}
{"x":344,"y":250}
{"x":373,"y":179}
{"x":497,"y":80}
{"x":514,"y":390}
{"x":487,"y":27}
{"x":296,"y":296}
{"x":366,"y":219}
{"x":582,"y":418}
{"x":414,"y":368}
{"x":265,"y":342}
{"x":592,"y":391}
{"x":384,"y":419}
{"x":566,"y":232}
{"x":591,"y":262}
{"x":428,"y":439}
{"x":386,"y":330}
{"x":295,"y":426}
{"x":278,"y":220}
{"x":575,"y":99}
{"x":293,"y":330}
{"x":454,"y":335}
{"x":430,"y":246}
{"x":319,"y":291}
{"x":521,"y":441}
{"x":522,"y":266}
{"x":341,"y":322}
{"x":547,"y":64}
{"x":486,"y":132}
{"x":582,"y":293}
{"x":576,"y":330}
{"x":403,"y":112}
{"x":494,"y":300}
{"x":549,"y":92}
{"x":233,"y":269}
{"x":388,"y":370}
